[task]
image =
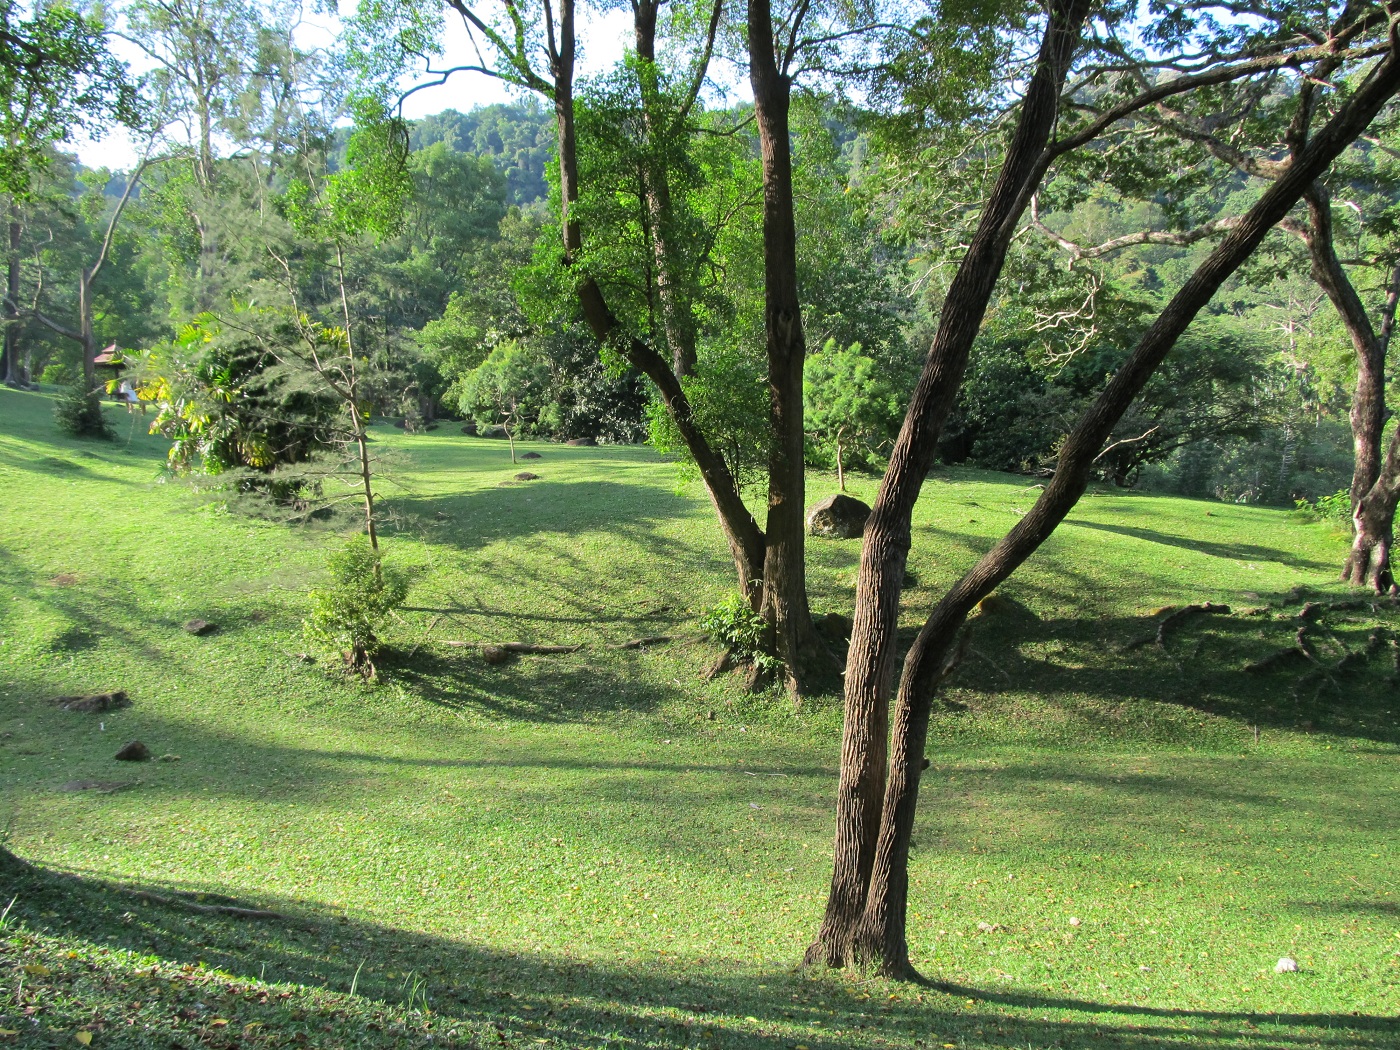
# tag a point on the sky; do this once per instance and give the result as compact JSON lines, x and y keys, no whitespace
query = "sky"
{"x":602,"y":36}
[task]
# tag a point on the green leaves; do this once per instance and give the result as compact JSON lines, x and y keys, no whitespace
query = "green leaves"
{"x":370,"y":195}
{"x":56,"y":76}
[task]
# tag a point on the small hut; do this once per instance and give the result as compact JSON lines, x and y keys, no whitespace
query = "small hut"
{"x":109,"y":367}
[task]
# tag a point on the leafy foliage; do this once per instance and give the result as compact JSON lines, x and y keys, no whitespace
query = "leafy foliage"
{"x":851,"y":408}
{"x":733,"y":622}
{"x":79,"y":412}
{"x":347,"y":614}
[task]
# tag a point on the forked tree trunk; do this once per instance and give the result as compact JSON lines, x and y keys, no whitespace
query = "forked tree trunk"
{"x":881,"y":937}
{"x":1367,"y":563}
{"x":784,"y":570}
{"x":870,"y":660}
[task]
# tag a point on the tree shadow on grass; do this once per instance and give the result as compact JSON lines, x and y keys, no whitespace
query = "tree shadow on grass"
{"x":1233,"y":551}
{"x":1114,"y":661}
{"x":523,"y":998}
{"x":550,"y":688}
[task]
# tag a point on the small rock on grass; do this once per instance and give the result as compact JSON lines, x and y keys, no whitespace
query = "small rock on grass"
{"x":494,"y":654}
{"x":531,"y":455}
{"x":1286,"y":965}
{"x":199,"y":627}
{"x":134,"y":752}
{"x":525,"y":475}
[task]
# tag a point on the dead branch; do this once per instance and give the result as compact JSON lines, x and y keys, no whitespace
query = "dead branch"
{"x":642,"y":643}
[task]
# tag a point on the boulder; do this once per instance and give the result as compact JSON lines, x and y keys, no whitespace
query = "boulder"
{"x":839,"y":517}
{"x":469,"y":429}
{"x":525,"y":475}
{"x":134,"y":752}
{"x":200,"y":627}
{"x":580,"y":442}
{"x":531,"y":455}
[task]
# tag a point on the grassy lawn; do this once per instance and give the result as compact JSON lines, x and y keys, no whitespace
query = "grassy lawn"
{"x":605,"y":849}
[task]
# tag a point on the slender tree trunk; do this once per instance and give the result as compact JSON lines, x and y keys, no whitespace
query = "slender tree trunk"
{"x":86,"y":339}
{"x":741,"y":531}
{"x":870,"y":660}
{"x":675,"y":307}
{"x":840,"y":470}
{"x":10,"y":372}
{"x":882,"y":934}
{"x":784,"y":568}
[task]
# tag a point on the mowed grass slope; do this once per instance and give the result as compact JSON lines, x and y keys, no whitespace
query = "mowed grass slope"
{"x":604,"y":849}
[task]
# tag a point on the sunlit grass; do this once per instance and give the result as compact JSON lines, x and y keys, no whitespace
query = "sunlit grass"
{"x":602,"y":848}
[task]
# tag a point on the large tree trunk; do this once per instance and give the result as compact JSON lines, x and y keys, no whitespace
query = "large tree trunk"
{"x":1373,"y":519}
{"x":870,"y":660}
{"x":882,"y":934}
{"x":784,"y":570}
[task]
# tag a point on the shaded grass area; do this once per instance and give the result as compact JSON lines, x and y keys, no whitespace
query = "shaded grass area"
{"x":603,"y":849}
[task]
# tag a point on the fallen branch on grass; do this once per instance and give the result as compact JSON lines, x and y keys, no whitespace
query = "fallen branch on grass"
{"x":642,"y":643}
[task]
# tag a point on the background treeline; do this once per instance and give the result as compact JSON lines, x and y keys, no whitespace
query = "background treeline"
{"x":458,"y":312}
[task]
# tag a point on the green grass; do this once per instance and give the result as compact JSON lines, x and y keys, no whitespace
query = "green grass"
{"x":603,"y":848}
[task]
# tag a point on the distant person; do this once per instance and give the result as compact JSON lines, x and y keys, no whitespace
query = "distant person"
{"x":127,"y":393}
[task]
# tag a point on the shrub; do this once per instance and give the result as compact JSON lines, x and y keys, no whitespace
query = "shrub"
{"x":79,"y":413}
{"x":345,"y":615}
{"x":733,"y":622}
{"x":57,"y":374}
{"x":1334,"y":509}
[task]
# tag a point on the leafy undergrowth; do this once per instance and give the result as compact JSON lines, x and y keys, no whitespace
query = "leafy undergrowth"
{"x":603,"y":848}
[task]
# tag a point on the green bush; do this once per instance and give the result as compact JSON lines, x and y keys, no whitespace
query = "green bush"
{"x":345,"y":616}
{"x":1334,"y":509}
{"x":57,"y":374}
{"x":733,"y":622}
{"x":79,"y":413}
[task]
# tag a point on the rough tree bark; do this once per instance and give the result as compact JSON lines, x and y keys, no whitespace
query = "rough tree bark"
{"x":881,"y":938}
{"x":870,"y":660}
{"x":784,"y":570}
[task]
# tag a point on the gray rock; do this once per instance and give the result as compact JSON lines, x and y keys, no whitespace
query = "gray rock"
{"x":134,"y":752}
{"x":200,"y":627}
{"x":525,"y":475}
{"x":839,"y":517}
{"x":531,"y":455}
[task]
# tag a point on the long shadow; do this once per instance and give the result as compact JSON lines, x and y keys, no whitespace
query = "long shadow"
{"x":1234,"y":551}
{"x":526,"y":997}
{"x":1202,"y":667}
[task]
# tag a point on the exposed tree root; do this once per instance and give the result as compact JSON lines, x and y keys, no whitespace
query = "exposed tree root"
{"x":1174,"y":620}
